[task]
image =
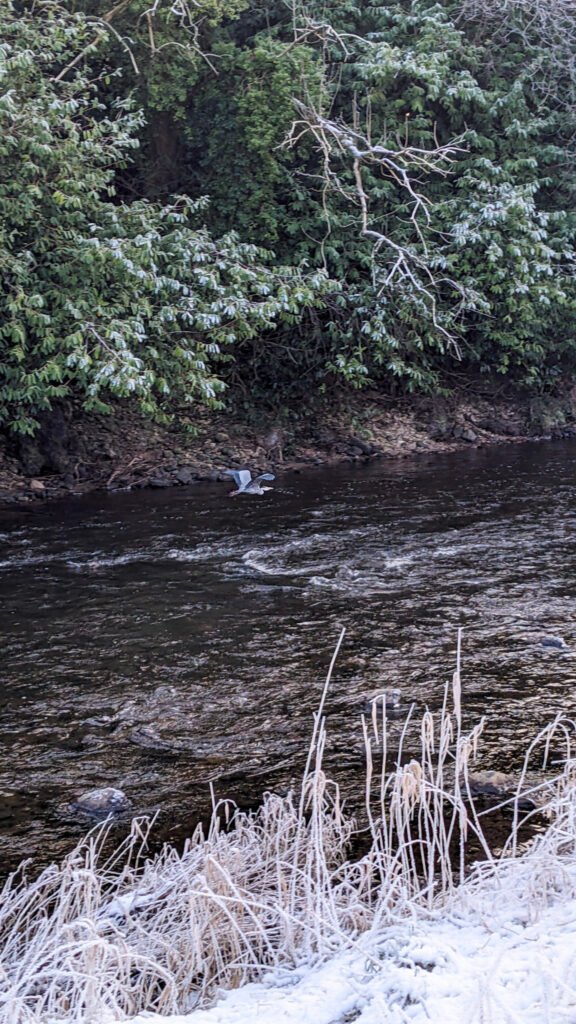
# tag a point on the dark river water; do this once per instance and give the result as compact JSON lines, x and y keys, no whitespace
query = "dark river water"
{"x":155,"y":641}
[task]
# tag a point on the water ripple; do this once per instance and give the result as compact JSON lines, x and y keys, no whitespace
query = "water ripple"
{"x":211,"y":625}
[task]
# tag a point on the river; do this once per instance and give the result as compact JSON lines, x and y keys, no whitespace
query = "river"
{"x":160,"y":641}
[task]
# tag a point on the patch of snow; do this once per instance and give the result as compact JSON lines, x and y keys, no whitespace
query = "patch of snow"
{"x":491,"y":960}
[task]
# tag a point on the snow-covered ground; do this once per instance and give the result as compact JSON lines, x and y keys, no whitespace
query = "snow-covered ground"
{"x":500,"y":957}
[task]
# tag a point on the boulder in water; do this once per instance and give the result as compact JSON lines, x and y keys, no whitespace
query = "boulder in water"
{"x":102,"y":802}
{"x":492,"y":783}
{"x":500,"y":786}
{"x":555,"y":643}
{"x":390,"y":698}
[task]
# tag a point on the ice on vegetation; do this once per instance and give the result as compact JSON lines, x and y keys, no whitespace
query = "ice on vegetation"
{"x":492,"y":955}
{"x":276,"y":921}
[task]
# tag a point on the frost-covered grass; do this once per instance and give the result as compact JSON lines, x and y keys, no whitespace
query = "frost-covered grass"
{"x":275,"y":900}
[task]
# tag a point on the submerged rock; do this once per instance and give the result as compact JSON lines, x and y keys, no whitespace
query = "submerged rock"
{"x":492,"y":783}
{"x":391,"y":699}
{"x":554,"y":643}
{"x":102,"y":801}
{"x":147,"y":736}
{"x":501,"y":786}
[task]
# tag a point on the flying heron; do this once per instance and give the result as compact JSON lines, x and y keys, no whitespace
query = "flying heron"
{"x":245,"y":483}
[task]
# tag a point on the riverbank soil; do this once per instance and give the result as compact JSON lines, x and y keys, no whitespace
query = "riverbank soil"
{"x":75,"y":453}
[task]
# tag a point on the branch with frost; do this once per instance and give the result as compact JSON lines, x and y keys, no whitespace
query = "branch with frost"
{"x":547,"y":31}
{"x":404,"y":165}
{"x":308,"y":29}
{"x":185,"y":15}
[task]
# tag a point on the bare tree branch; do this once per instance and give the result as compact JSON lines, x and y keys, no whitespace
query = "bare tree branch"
{"x":188,"y":14}
{"x":404,"y":165}
{"x":546,"y":31}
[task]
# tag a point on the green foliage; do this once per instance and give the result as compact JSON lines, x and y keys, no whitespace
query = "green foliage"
{"x":102,"y":298}
{"x":488,"y":279}
{"x":236,"y":126}
{"x":114,"y":287}
{"x":501,"y":264}
{"x":496,"y":238}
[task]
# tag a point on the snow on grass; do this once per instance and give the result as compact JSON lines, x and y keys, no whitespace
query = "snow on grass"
{"x":271,"y":920}
{"x":438,"y":972}
{"x":501,"y":951}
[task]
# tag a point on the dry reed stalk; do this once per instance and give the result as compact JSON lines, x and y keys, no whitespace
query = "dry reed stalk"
{"x":424,"y":807}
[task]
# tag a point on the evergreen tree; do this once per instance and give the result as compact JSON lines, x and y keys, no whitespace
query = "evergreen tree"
{"x":103,"y":298}
{"x":417,"y":156}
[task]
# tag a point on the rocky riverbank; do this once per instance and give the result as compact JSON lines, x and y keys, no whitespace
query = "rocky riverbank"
{"x":77,"y":454}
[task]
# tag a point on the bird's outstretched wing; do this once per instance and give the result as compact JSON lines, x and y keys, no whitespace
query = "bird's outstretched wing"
{"x":265,"y":476}
{"x":242,"y":477}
